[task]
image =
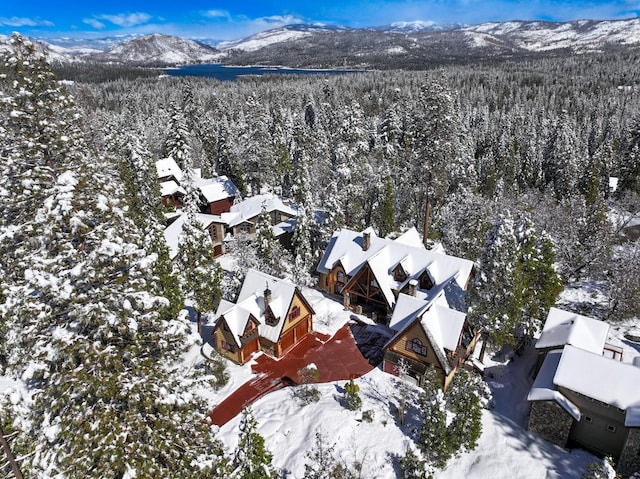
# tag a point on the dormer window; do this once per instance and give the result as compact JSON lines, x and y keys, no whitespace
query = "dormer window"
{"x":249,"y":328}
{"x":425,"y":280}
{"x":399,"y":274}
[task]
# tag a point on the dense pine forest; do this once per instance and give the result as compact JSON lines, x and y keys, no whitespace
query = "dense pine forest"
{"x":506,"y":163}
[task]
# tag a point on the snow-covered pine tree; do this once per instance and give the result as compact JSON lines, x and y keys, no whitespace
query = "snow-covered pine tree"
{"x":106,"y":394}
{"x":463,"y":400}
{"x":305,"y":229}
{"x":434,"y":136}
{"x":433,"y":440}
{"x":178,"y":141}
{"x":268,"y":248}
{"x":540,"y":284}
{"x":200,"y":273}
{"x":517,"y":282}
{"x":252,"y":459}
{"x":491,"y":299}
{"x":142,"y":193}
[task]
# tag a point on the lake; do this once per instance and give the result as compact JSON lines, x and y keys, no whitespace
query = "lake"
{"x":229,"y":73}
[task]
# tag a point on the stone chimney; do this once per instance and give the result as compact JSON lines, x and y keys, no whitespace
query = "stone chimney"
{"x":413,"y":287}
{"x":267,"y":296}
{"x":366,"y":240}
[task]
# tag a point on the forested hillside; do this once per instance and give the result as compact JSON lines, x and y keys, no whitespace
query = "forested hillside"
{"x":521,"y":150}
{"x":534,"y":141}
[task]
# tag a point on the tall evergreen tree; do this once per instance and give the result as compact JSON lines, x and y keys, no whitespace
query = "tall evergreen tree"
{"x":109,"y":398}
{"x":201,"y":275}
{"x":252,"y":459}
{"x":178,"y":141}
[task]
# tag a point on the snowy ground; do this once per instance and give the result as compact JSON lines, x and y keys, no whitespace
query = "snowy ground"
{"x":506,"y":449}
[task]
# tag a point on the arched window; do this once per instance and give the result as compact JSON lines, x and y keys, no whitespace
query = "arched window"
{"x":416,"y":346}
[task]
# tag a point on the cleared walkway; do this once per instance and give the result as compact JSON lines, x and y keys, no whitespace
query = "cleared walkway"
{"x":336,"y":358}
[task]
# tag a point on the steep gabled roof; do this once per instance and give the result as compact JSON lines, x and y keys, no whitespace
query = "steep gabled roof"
{"x":251,"y":302}
{"x":168,"y":167}
{"x":442,"y":325}
{"x":170,"y":187}
{"x":251,"y":207}
{"x":216,"y":188}
{"x":383,"y":255}
{"x":237,"y":316}
{"x":564,"y":327}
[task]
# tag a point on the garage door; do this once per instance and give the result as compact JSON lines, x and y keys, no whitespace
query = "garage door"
{"x":287,"y":341}
{"x":302,"y":329}
{"x":249,"y":348}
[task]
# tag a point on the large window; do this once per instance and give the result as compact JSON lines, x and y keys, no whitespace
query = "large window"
{"x":295,"y":312}
{"x":416,"y":346}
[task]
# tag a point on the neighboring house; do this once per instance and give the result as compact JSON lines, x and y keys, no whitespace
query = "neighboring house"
{"x":583,"y":395}
{"x":371,"y":272}
{"x":172,"y":194}
{"x":428,"y":334}
{"x":218,"y":194}
{"x":270,"y":315}
{"x":213,"y":224}
{"x":243,"y":216}
{"x":563,"y":328}
{"x":168,"y":170}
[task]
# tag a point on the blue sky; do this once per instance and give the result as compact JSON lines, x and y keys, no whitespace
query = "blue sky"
{"x":232,"y":19}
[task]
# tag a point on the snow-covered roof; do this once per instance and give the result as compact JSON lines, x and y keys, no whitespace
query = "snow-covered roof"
{"x":563,"y":327}
{"x":411,"y":237}
{"x":251,"y":302}
{"x":168,"y":188}
{"x":216,"y":188}
{"x":252,"y":207}
{"x":168,"y":167}
{"x":383,"y":255}
{"x":172,"y":232}
{"x":543,"y":388}
{"x":607,"y":380}
{"x":442,"y":325}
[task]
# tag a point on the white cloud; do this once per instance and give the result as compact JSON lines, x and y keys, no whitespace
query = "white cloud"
{"x":217,"y":14}
{"x":278,"y":20}
{"x":125,"y":19}
{"x":24,"y":22}
{"x":98,"y":25}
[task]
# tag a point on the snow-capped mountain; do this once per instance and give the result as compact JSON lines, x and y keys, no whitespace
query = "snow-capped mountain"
{"x":86,"y":46}
{"x":419,"y":26}
{"x":54,"y":55}
{"x":411,"y":45}
{"x":580,"y":35}
{"x":277,"y":35}
{"x":158,"y":49}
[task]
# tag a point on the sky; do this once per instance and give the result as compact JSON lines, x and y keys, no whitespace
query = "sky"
{"x":234,"y":19}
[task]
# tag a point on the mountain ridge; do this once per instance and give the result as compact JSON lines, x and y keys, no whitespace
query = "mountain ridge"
{"x":398,"y":45}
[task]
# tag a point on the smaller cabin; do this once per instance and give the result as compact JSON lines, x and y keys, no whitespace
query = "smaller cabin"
{"x":218,"y":194}
{"x":270,"y":315}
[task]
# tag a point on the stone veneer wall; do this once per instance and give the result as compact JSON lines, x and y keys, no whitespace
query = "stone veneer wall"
{"x":551,"y":421}
{"x":629,"y":461}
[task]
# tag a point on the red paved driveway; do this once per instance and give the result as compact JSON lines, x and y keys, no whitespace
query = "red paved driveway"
{"x":337,"y":358}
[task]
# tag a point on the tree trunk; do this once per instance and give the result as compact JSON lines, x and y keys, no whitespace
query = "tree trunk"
{"x":427,"y":221}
